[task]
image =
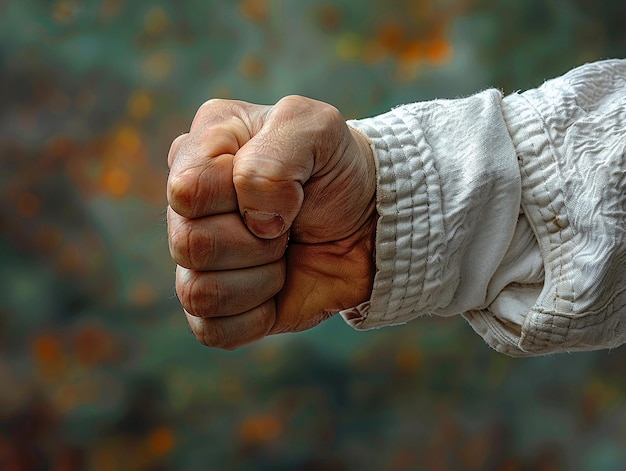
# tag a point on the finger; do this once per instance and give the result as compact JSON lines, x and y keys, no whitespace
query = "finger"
{"x":270,"y":169}
{"x":196,"y":185}
{"x":234,"y":331}
{"x":219,"y":242}
{"x":229,"y":292}
{"x":218,"y":128}
{"x":204,"y":189}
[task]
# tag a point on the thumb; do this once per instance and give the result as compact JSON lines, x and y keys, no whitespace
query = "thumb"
{"x":269,"y":183}
{"x":294,"y":140}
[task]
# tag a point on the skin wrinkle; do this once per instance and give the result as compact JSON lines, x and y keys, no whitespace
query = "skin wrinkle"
{"x":197,"y":198}
{"x":344,"y":249}
{"x":182,"y":250}
{"x":183,"y":194}
{"x":323,"y":126}
{"x":184,"y":291}
{"x":264,"y":149}
{"x":206,"y":244}
{"x":239,"y":296}
{"x":220,"y":113}
{"x":190,"y":193}
{"x":315,"y":193}
{"x":213,"y":334}
{"x":251,"y":175}
{"x":340,"y":144}
{"x":202,"y":305}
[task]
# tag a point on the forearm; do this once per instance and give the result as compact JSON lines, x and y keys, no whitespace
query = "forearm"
{"x":448,"y":200}
{"x":453,"y":177}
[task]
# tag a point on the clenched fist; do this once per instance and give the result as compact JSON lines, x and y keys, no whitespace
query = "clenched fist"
{"x":271,"y":218}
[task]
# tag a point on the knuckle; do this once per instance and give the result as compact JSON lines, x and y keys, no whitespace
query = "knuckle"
{"x":218,"y":109}
{"x":191,"y":247}
{"x":198,"y":295}
{"x":182,"y":192}
{"x":249,"y":177}
{"x":296,"y":104}
{"x":179,"y":242}
{"x":202,"y":251}
{"x":177,"y":192}
{"x":209,"y":106}
{"x":329,"y":115}
{"x":295,"y":107}
{"x":323,"y":121}
{"x":177,"y":141}
{"x":229,"y":333}
{"x":213,"y":336}
{"x":291,"y":101}
{"x":184,"y":290}
{"x":291,"y":107}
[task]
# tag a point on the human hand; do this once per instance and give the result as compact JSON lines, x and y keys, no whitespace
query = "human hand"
{"x":271,"y":218}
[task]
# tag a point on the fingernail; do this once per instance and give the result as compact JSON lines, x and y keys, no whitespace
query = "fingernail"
{"x":264,"y":225}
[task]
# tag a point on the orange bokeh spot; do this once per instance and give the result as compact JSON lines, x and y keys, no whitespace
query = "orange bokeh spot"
{"x":254,"y":10}
{"x":329,"y":17}
{"x":231,"y":389}
{"x":408,"y":360}
{"x":260,"y":428}
{"x":251,"y":67}
{"x":413,"y":52}
{"x":158,"y":65}
{"x":439,"y":51}
{"x":127,"y":139}
{"x":63,"y":11}
{"x":142,"y":293}
{"x":116,"y":181}
{"x":156,"y":21}
{"x":391,"y":36}
{"x":46,"y":348}
{"x":140,"y":105}
{"x":161,"y":441}
{"x":373,"y":52}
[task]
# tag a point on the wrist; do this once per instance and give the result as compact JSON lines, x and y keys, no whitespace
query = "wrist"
{"x":370,"y":220}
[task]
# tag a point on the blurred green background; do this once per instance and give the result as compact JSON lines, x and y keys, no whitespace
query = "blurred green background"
{"x":98,"y":370}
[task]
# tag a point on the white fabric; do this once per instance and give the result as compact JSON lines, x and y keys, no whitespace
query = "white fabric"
{"x":510,"y":211}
